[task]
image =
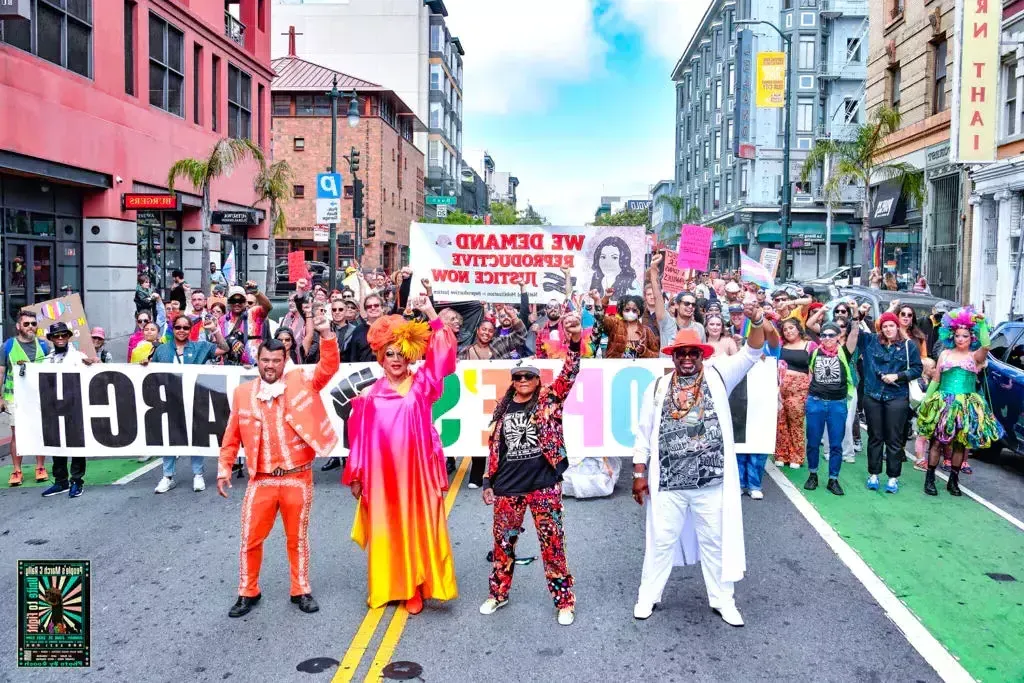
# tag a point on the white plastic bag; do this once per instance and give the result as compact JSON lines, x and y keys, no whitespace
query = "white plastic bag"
{"x":591,"y":477}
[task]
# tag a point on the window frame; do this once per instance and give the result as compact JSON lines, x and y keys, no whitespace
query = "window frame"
{"x":66,"y":17}
{"x":939,"y":101}
{"x":165,"y":66}
{"x":802,"y":105}
{"x":802,"y":44}
{"x":234,"y":119}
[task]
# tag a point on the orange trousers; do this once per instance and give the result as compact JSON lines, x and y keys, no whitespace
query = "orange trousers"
{"x":265,"y":495}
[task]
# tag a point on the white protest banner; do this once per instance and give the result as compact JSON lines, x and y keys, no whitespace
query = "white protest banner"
{"x":119,"y":410}
{"x":480,"y":262}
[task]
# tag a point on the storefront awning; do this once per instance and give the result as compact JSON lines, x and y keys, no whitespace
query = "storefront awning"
{"x":771,"y":232}
{"x":737,"y":235}
{"x":890,"y":205}
{"x":718,"y":243}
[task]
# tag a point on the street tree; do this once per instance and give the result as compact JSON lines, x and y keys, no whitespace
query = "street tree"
{"x":859,"y":161}
{"x":226,"y":154}
{"x":503,"y":214}
{"x":529,"y":216}
{"x":273,"y":184}
{"x":625,"y":217}
{"x":672,"y":228}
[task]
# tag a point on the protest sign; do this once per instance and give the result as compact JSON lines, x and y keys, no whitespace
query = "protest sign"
{"x":69,"y":310}
{"x":770,"y":259}
{"x":479,"y":262}
{"x":297,"y":268}
{"x":119,"y":410}
{"x":673,"y":280}
{"x":695,"y":247}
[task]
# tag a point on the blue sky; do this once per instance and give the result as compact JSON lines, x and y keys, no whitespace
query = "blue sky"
{"x":573,"y":96}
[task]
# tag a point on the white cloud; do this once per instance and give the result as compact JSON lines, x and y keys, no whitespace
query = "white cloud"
{"x":518,"y":53}
{"x":666,"y":25}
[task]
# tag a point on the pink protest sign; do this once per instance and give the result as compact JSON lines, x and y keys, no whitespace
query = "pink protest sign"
{"x":673,"y":280}
{"x":695,"y":247}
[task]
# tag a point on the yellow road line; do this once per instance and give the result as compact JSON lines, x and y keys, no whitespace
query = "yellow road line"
{"x":394,"y":632}
{"x":361,"y":641}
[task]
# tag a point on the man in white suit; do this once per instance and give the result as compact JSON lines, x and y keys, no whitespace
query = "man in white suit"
{"x":684,"y":460}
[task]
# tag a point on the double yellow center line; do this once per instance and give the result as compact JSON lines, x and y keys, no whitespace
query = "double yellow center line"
{"x":364,"y":636}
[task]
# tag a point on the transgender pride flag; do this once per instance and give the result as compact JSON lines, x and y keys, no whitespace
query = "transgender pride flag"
{"x":753,"y":271}
{"x":228,"y":269}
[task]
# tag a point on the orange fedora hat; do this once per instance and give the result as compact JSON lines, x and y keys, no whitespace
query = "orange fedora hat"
{"x":685,"y":338}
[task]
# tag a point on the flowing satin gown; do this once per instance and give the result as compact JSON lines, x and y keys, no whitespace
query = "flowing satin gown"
{"x":396,"y":454}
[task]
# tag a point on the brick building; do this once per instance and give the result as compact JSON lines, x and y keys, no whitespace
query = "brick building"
{"x":98,"y":98}
{"x":391,"y":166}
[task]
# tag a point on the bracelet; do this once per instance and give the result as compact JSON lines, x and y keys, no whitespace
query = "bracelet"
{"x":759,"y":323}
{"x":640,"y":475}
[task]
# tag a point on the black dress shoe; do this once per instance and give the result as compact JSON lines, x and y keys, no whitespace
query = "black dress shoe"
{"x":834,"y":488}
{"x":812,"y":481}
{"x":306,"y":603}
{"x":953,"y":483}
{"x":331,"y":464}
{"x":243,"y":605}
{"x":929,"y":482}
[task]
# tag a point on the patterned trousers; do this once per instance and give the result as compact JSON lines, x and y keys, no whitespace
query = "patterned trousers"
{"x":546,"y":509}
{"x":292,"y":495}
{"x":791,"y":437}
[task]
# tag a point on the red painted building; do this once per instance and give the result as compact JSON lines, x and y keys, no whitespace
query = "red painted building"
{"x":98,"y":98}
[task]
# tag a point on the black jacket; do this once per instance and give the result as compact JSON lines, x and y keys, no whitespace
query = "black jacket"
{"x":358,"y":350}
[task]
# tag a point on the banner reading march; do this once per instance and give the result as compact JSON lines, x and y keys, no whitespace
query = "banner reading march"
{"x":127,"y":410}
{"x":482,"y":262}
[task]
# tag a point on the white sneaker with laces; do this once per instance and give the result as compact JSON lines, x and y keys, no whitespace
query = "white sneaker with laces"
{"x":165,"y":485}
{"x":473,"y":486}
{"x":643,"y":610}
{"x":849,"y":458}
{"x":794,"y":466}
{"x":566,"y":616}
{"x":779,"y":463}
{"x":198,"y":483}
{"x":756,"y":494}
{"x":491,"y":606}
{"x":730,"y":615}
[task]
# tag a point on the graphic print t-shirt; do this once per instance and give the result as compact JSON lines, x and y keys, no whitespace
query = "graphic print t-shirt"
{"x":522,"y":467}
{"x":828,"y":377}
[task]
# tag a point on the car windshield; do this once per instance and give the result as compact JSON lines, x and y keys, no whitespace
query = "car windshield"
{"x":835,"y":272}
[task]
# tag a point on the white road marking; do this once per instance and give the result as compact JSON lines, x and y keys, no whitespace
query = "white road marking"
{"x":132,"y":476}
{"x":940,"y":659}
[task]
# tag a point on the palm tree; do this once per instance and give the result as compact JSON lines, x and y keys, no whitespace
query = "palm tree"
{"x":859,"y":161}
{"x":677,"y":204}
{"x":225,"y":155}
{"x":273,"y":184}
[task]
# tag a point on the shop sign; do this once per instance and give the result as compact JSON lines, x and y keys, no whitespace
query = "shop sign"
{"x":976,"y":81}
{"x":321,"y":233}
{"x":15,"y":9}
{"x":133,"y":201}
{"x":234,"y":218}
{"x":771,"y":80}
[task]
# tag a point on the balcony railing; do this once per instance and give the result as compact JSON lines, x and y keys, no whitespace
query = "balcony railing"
{"x":843,"y":132}
{"x":234,"y":29}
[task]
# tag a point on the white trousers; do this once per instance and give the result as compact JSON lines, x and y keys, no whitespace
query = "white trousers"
{"x":851,"y":424}
{"x":670,"y":508}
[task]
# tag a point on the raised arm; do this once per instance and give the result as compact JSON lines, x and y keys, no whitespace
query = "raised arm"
{"x":329,"y":352}
{"x":981,"y":355}
{"x":501,"y":347}
{"x":562,"y":385}
{"x":652,"y":277}
{"x":441,"y":352}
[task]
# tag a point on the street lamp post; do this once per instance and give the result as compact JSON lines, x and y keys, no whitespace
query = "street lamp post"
{"x":353,"y":121}
{"x":785,"y":212}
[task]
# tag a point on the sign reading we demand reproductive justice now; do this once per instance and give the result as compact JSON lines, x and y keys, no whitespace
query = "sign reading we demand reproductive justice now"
{"x":485,"y":262}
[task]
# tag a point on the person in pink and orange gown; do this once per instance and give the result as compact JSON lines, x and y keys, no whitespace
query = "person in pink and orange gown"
{"x":396,"y":467}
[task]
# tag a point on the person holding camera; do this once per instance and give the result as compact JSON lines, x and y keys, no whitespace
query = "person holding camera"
{"x":242,"y":325}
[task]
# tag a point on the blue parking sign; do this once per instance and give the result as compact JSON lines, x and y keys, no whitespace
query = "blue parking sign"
{"x":328,"y":186}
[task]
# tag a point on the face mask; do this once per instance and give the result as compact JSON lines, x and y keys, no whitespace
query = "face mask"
{"x":630,"y":316}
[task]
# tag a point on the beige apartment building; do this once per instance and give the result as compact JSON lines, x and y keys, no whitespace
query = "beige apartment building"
{"x":910,"y":67}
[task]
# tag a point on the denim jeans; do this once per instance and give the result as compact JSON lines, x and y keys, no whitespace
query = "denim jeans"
{"x":751,"y":468}
{"x":823,"y":414}
{"x":171,"y":462}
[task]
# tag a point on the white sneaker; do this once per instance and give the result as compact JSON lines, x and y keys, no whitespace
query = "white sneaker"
{"x":730,"y":615}
{"x":198,"y":483}
{"x":756,"y":494}
{"x":144,"y":458}
{"x":779,"y":463}
{"x":794,"y":466}
{"x":473,"y":486}
{"x":165,"y":485}
{"x":849,"y":458}
{"x":566,"y":616}
{"x":643,"y":610}
{"x":491,"y":606}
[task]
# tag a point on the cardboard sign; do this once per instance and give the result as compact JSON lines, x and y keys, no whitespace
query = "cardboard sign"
{"x":695,"y":247}
{"x":770,"y":260}
{"x":297,"y":266}
{"x":66,"y":309}
{"x":673,"y":280}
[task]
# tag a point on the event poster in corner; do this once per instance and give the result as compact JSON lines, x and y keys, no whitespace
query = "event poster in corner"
{"x":53,"y":613}
{"x":485,"y":262}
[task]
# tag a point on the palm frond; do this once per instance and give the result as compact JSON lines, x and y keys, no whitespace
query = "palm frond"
{"x":194,"y":171}
{"x":822,"y":150}
{"x":229,"y":152}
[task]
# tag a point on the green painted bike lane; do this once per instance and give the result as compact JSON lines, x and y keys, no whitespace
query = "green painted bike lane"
{"x":98,"y":471}
{"x":955,"y":564}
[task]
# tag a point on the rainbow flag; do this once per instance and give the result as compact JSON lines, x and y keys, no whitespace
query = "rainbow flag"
{"x":877,"y":242}
{"x":753,"y":271}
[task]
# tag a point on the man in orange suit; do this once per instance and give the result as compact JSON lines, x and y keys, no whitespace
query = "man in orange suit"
{"x":281,"y":423}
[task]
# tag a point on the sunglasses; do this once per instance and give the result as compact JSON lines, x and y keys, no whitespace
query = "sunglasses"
{"x":688,"y":353}
{"x":141,"y":321}
{"x":62,"y":335}
{"x":183,"y":327}
{"x":30,"y":324}
{"x":842,"y":311}
{"x":908,"y":314}
{"x":523,"y":377}
{"x":236,"y":301}
{"x":687,"y":303}
{"x":337,"y":310}
{"x":372,"y":306}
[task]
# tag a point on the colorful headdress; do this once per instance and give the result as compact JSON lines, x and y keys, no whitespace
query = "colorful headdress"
{"x":411,"y":336}
{"x":966,"y":318}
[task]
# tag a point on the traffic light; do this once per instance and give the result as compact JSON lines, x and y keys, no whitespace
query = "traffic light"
{"x":357,"y":199}
{"x":353,"y":160}
{"x":371,"y":227}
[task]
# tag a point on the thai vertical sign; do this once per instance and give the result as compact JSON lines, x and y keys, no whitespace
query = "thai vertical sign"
{"x":744,"y":94}
{"x":771,"y":80}
{"x":975,"y":88}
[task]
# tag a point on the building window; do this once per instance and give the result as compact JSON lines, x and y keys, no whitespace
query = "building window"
{"x":717,"y":194}
{"x":707,"y":103}
{"x":435,"y":115}
{"x":718,"y":95}
{"x":804,"y":115}
{"x":303,"y":105}
{"x":282,"y":105}
{"x":1010,"y":98}
{"x":299,"y":144}
{"x":321,"y":105}
{"x":728,"y":189}
{"x":298,"y":191}
{"x":239,"y":106}
{"x":129,"y":48}
{"x":853,"y":50}
{"x":939,"y":84}
{"x":743,"y":181}
{"x":895,"y":8}
{"x":435,"y":38}
{"x":851,"y":107}
{"x":718,"y":145}
{"x":58,"y":35}
{"x":260,"y":113}
{"x":435,"y":76}
{"x":728,"y":134}
{"x":197,"y":63}
{"x":894,"y":88}
{"x":805,"y":58}
{"x":732,"y":81}
{"x":166,"y":66}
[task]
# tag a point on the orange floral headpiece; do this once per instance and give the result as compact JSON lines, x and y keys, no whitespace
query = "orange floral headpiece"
{"x":411,"y":336}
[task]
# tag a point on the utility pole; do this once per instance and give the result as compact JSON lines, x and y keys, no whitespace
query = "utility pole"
{"x":333,"y":236}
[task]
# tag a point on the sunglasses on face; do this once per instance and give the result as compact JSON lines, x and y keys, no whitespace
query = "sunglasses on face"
{"x":183,"y":327}
{"x":30,"y":324}
{"x":842,"y":311}
{"x":235,"y":302}
{"x":372,"y":306}
{"x":337,"y":310}
{"x":62,"y":335}
{"x":687,"y":303}
{"x":141,"y":321}
{"x":907,"y":314}
{"x":688,"y":353}
{"x":523,"y":377}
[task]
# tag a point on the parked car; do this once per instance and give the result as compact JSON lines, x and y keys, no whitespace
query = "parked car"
{"x":879,"y":299}
{"x":843,"y":276}
{"x":1006,"y":384}
{"x":317,"y":269}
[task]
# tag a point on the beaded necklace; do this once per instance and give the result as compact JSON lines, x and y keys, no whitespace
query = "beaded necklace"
{"x":685,"y":398}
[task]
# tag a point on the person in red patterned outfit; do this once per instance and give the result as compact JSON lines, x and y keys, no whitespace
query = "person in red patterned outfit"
{"x":525,"y":466}
{"x":282,"y":424}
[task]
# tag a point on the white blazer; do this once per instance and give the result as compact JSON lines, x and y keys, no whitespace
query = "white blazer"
{"x":722,"y":375}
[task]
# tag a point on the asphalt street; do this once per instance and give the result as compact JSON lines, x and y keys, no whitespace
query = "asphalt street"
{"x":165,"y":573}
